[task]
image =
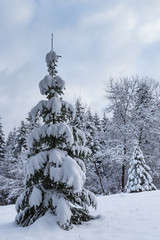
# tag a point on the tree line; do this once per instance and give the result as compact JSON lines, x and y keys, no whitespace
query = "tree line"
{"x":131,"y":118}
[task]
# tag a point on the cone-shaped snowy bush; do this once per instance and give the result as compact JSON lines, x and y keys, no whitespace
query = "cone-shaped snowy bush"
{"x":55,"y":170}
{"x":139,"y":178}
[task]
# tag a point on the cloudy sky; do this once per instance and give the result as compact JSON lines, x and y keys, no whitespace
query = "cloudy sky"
{"x":96,"y":38}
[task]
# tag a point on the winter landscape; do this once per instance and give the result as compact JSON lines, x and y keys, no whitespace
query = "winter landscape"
{"x":67,"y":170}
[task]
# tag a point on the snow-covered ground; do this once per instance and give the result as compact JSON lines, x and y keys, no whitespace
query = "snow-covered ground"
{"x":123,"y":217}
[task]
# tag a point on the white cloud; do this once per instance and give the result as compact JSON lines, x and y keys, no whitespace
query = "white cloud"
{"x":95,"y":38}
{"x":16,"y":13}
{"x":149,"y":32}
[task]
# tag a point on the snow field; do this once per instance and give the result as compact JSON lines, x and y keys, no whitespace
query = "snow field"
{"x":133,"y":216}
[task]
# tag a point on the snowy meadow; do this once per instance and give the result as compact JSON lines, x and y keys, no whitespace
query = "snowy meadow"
{"x":120,"y":217}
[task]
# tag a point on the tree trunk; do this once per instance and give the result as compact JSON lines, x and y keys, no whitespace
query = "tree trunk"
{"x":123,"y":169}
{"x":123,"y":176}
{"x":100,"y":179}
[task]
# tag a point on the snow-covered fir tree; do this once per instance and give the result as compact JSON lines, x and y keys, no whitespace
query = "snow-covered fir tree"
{"x":32,"y":123}
{"x":21,"y":141}
{"x":55,"y":171}
{"x":2,"y":161}
{"x":104,"y":122}
{"x":2,"y":147}
{"x":97,"y":121}
{"x":139,"y":178}
{"x":79,"y":119}
{"x":13,"y":182}
{"x":94,"y":136}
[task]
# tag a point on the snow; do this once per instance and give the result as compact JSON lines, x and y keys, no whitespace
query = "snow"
{"x":56,"y":130}
{"x":81,"y":150}
{"x":63,"y":211}
{"x":56,"y":156}
{"x":133,"y":216}
{"x":35,"y":197}
{"x":35,"y":163}
{"x":70,"y":173}
{"x":51,"y":56}
{"x":54,"y":105}
{"x":60,"y":82}
{"x":51,"y":82}
{"x":46,"y":83}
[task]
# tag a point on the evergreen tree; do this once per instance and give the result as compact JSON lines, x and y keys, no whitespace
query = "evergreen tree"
{"x":2,"y":162}
{"x":55,"y":171}
{"x":139,"y":178}
{"x":10,"y":170}
{"x":2,"y":147}
{"x":104,"y":123}
{"x":94,"y":136}
{"x":96,"y":121}
{"x":32,"y":123}
{"x":21,"y":141}
{"x":79,"y":119}
{"x":13,"y":183}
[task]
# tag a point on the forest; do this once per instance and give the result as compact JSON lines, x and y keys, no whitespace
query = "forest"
{"x":131,"y":118}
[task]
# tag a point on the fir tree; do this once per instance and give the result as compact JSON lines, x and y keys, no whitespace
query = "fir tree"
{"x":2,"y":161}
{"x":104,"y":122}
{"x":32,"y":123}
{"x":97,"y":121}
{"x":55,"y":172}
{"x":94,"y":137}
{"x":21,"y":138}
{"x":139,"y":178}
{"x":2,"y":145}
{"x":13,"y":183}
{"x":79,"y":119}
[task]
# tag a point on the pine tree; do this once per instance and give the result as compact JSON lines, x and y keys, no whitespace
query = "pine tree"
{"x":32,"y":123}
{"x":21,"y":144}
{"x":13,"y":182}
{"x":94,"y":136}
{"x":2,"y":160}
{"x":79,"y":119}
{"x":55,"y":172}
{"x":139,"y":178}
{"x":2,"y":146}
{"x":104,"y":123}
{"x":97,"y":122}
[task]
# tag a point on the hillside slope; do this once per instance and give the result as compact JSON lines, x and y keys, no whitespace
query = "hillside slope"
{"x":123,"y":217}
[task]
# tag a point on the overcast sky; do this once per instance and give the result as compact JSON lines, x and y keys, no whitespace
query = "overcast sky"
{"x":96,"y":38}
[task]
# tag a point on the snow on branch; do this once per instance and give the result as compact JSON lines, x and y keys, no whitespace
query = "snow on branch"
{"x":62,"y":209}
{"x":70,"y":173}
{"x":46,"y":83}
{"x":49,"y":82}
{"x":51,"y":56}
{"x":35,"y":197}
{"x":54,"y":105}
{"x":56,"y":130}
{"x":81,"y":150}
{"x":79,"y":135}
{"x":35,"y":163}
